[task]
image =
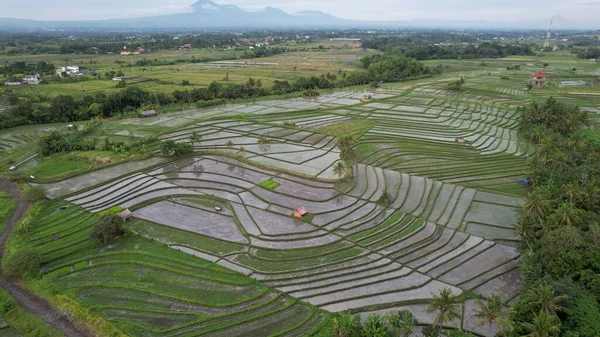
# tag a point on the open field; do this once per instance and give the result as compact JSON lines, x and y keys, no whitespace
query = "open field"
{"x":219,"y":224}
{"x":167,"y":78}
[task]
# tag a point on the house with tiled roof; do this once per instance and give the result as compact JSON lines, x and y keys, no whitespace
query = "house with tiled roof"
{"x":538,"y":79}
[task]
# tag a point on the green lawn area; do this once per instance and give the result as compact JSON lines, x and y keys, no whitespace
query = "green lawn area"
{"x":269,"y":184}
{"x":355,"y":128}
{"x":60,"y":166}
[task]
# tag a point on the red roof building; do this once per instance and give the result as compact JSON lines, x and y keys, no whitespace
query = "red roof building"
{"x":539,"y":75}
{"x":538,"y":79}
{"x":300,"y":212}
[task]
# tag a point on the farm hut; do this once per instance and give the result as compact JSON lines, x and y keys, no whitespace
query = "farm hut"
{"x":300,"y":212}
{"x":70,"y":127}
{"x":148,"y":113}
{"x":126,"y":214}
{"x":538,"y":79}
{"x":461,"y":140}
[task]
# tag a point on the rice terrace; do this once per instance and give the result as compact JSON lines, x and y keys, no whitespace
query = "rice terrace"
{"x":331,"y":182}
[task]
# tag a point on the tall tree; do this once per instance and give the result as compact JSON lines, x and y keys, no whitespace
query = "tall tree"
{"x":491,"y":312}
{"x":340,"y":169}
{"x":446,"y":306}
{"x":195,"y":138}
{"x":544,"y":298}
{"x":543,"y":325}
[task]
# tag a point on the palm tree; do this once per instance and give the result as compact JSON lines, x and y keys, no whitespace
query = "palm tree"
{"x":195,"y":138}
{"x":230,"y":144}
{"x":447,"y":307}
{"x":374,"y":327}
{"x":543,"y":297}
{"x":543,"y":325}
{"x":344,"y":324}
{"x":401,"y":323}
{"x":242,"y":151}
{"x":490,"y":312}
{"x":340,"y":169}
{"x":568,"y":215}
{"x":536,"y":205}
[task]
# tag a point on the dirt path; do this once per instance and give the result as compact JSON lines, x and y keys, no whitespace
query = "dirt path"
{"x":30,"y":302}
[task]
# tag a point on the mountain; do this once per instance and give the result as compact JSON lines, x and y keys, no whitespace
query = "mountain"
{"x":206,"y":14}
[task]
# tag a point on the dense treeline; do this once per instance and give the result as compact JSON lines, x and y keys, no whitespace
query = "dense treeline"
{"x":421,"y":50}
{"x":34,"y":44}
{"x":20,"y":67}
{"x":65,"y":108}
{"x":560,"y":226}
{"x":589,"y":53}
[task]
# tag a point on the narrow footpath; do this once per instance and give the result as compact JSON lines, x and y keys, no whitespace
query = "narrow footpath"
{"x":25,"y":298}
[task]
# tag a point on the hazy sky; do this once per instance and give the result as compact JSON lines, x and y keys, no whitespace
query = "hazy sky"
{"x":393,"y":10}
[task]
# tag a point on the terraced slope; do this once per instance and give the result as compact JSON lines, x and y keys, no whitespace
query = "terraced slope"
{"x":351,"y":253}
{"x":131,"y":283}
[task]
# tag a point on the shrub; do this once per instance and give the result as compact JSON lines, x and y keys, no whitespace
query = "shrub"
{"x":171,"y":148}
{"x":6,"y":303}
{"x":584,"y":318}
{"x":23,"y":262}
{"x":456,"y":85}
{"x":310,"y":93}
{"x":35,"y":194}
{"x":108,"y":229}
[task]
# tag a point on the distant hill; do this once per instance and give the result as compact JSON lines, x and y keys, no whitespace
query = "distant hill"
{"x":208,"y":14}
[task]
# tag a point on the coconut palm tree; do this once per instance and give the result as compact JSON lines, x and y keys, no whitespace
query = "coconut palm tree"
{"x":544,"y":298}
{"x":490,"y":312}
{"x":195,"y":138}
{"x":242,"y":151}
{"x":230,"y":143}
{"x":401,"y":323}
{"x":447,"y":307}
{"x":543,"y":325}
{"x":567,"y":215}
{"x":536,"y":206}
{"x":345,"y":324}
{"x":340,"y":169}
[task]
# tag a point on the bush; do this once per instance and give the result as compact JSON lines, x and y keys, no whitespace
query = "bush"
{"x":171,"y":148}
{"x":23,"y":262}
{"x":456,"y":85}
{"x":584,"y":317}
{"x":310,"y":93}
{"x":108,"y":229}
{"x":35,"y":194}
{"x":6,"y":303}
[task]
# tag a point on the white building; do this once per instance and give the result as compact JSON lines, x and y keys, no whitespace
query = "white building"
{"x":32,"y":79}
{"x":70,"y":71}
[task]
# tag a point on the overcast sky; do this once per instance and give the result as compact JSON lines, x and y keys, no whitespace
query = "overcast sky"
{"x":385,"y":10}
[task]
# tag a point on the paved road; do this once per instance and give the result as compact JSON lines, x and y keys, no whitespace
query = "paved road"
{"x":32,"y":303}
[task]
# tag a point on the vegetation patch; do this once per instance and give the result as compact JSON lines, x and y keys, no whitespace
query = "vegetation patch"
{"x":7,"y":204}
{"x":269,"y":184}
{"x":354,"y":128}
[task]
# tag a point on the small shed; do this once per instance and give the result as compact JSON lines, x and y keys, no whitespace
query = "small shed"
{"x":148,"y":113}
{"x":300,"y":212}
{"x":538,"y":79}
{"x":126,"y":214}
